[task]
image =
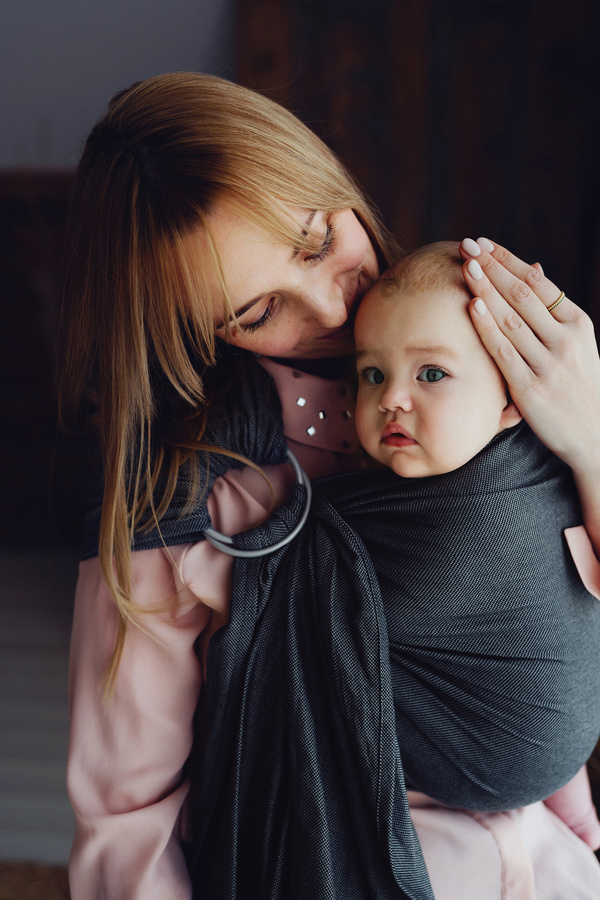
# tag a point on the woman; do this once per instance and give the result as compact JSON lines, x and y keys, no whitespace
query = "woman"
{"x":201,"y":209}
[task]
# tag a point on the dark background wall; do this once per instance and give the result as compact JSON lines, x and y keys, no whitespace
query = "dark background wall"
{"x":459,"y":118}
{"x":60,"y":63}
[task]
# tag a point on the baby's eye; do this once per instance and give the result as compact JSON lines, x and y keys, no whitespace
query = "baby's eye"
{"x":372,"y":375}
{"x":431,"y":375}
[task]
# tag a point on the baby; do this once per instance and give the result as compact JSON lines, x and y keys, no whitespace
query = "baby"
{"x":430,"y":398}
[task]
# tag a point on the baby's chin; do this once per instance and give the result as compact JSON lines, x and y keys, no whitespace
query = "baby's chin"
{"x":414,"y":467}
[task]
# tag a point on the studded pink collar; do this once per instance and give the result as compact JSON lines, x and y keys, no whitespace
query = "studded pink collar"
{"x":316,"y":411}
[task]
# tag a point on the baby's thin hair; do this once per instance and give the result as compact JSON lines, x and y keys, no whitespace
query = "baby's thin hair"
{"x":426,"y":268}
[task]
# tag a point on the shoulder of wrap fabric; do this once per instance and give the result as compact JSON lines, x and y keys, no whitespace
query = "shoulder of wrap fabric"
{"x":246,"y":419}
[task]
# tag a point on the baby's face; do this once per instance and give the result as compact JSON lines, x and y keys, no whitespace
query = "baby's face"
{"x":429,"y":397}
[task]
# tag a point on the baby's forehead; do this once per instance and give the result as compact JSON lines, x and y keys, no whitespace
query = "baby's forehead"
{"x":416,"y":315}
{"x":441,"y":290}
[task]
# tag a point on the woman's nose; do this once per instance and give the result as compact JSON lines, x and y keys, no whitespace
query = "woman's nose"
{"x":326,"y":305}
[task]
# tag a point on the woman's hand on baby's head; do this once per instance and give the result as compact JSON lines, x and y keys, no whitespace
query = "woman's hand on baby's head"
{"x":548,"y":358}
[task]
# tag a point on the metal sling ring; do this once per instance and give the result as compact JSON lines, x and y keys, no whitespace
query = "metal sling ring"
{"x":225,"y":544}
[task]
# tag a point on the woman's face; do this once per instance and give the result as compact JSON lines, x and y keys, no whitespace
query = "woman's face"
{"x":292,"y":303}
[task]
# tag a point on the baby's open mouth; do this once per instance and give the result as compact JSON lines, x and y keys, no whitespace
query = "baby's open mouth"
{"x":396,"y":436}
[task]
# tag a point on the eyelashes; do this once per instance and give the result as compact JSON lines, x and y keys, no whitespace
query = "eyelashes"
{"x":326,"y":247}
{"x":249,"y":327}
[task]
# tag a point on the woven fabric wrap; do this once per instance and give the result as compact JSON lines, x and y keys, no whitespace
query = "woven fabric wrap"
{"x":300,"y":792}
{"x":429,"y":633}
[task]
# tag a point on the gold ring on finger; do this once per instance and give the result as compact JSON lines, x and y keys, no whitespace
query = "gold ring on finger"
{"x":556,"y":302}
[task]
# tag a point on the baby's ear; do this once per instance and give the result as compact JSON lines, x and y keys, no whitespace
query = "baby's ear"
{"x":510,"y":415}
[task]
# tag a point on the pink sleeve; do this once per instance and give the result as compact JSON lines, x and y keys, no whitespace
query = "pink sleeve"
{"x":126,"y":759}
{"x":125,"y":770}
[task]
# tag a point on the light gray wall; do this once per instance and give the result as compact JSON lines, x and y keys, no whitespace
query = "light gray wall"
{"x":62,"y":60}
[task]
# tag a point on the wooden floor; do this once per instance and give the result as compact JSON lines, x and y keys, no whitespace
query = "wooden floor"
{"x":36,"y":598}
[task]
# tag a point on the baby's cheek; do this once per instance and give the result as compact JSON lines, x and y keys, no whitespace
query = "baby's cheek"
{"x":360,"y":417}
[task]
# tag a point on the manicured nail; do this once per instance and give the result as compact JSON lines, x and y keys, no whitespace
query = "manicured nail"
{"x":485,"y":244}
{"x":480,"y":307}
{"x":471,"y":247}
{"x":475,"y":270}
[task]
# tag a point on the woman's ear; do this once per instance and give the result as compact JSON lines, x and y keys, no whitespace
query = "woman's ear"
{"x":510,"y":415}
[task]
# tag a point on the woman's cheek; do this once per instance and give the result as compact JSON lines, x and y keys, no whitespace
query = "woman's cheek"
{"x":356,"y":249}
{"x":274,"y":343}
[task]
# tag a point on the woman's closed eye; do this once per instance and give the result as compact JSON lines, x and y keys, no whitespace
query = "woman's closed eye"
{"x":431,"y":374}
{"x":249,"y":327}
{"x":325,"y":248}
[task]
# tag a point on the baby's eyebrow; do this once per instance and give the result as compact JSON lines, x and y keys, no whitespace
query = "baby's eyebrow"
{"x":416,"y":350}
{"x":432,"y":350}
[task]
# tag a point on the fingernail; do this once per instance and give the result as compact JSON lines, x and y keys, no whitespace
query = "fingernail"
{"x":480,"y":307}
{"x":485,"y":244}
{"x":471,"y":247}
{"x":475,"y":270}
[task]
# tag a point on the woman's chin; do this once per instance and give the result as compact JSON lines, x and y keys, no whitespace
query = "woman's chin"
{"x":324,"y":348}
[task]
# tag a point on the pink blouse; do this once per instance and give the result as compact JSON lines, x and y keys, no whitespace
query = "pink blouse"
{"x":126,"y":760}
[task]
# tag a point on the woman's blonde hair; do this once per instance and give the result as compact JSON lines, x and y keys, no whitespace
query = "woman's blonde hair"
{"x":136,"y":321}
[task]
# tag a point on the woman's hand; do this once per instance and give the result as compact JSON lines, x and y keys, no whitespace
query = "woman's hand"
{"x":549,"y":359}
